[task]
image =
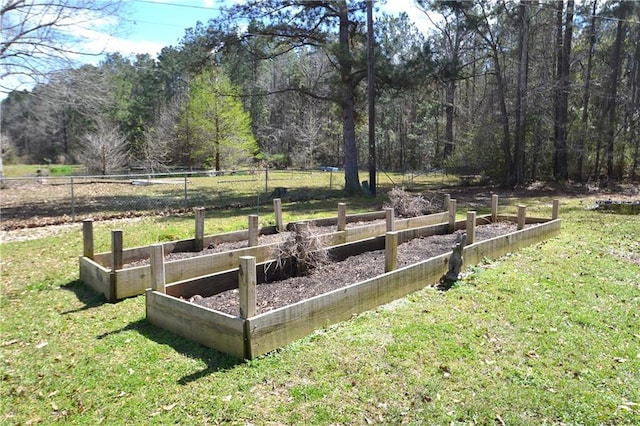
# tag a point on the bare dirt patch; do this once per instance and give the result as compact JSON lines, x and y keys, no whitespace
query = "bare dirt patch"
{"x":334,"y":275}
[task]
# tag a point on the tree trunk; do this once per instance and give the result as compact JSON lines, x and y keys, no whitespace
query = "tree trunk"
{"x":587,"y":95}
{"x":521,"y":94}
{"x":560,"y":163}
{"x":371,"y":95}
{"x":613,"y":93}
{"x":450,"y":89}
{"x":351,"y":178}
{"x":635,"y":108}
{"x":506,"y":132}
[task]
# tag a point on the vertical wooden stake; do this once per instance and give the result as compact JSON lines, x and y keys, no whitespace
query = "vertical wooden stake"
{"x":390,"y":251}
{"x":158,"y":280}
{"x":452,"y":215}
{"x":471,"y":227}
{"x":247,"y":286}
{"x":522,"y":215}
{"x":199,"y":237}
{"x":277,"y":210}
{"x":87,"y":238}
{"x":116,"y":249}
{"x":253,"y":230}
{"x":494,"y":208}
{"x":390,"y":218}
{"x":445,"y":201}
{"x":556,"y":209}
{"x":342,"y":216}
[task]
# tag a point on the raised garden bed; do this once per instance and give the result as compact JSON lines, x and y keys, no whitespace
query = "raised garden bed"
{"x":123,"y":273}
{"x":254,"y":326}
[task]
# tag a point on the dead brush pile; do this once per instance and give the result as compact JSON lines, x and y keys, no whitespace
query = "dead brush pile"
{"x":406,"y":204}
{"x":302,"y":252}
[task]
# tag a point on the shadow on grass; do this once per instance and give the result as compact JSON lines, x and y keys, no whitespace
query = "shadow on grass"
{"x":85,"y":295}
{"x":214,"y":359}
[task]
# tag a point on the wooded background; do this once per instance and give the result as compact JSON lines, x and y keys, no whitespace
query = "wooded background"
{"x":515,"y":91}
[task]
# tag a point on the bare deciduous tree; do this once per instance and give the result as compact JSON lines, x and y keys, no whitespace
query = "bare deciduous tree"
{"x":39,"y":36}
{"x":104,"y":150}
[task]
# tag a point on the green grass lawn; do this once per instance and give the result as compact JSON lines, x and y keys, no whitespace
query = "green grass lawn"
{"x":548,"y":335}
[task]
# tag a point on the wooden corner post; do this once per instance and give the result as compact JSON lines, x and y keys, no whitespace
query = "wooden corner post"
{"x":494,"y":208}
{"x":390,"y":251}
{"x":522,"y":216}
{"x":445,"y":201}
{"x":277,"y":211}
{"x":452,"y":215}
{"x":116,"y":249}
{"x":556,"y":209}
{"x":471,"y":227}
{"x":87,"y":238}
{"x":253,"y":230}
{"x":199,"y":234}
{"x":247,"y":286}
{"x":342,"y":216}
{"x":158,"y":280}
{"x":390,"y":218}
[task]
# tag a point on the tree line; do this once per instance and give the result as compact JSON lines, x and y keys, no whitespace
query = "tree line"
{"x":515,"y":91}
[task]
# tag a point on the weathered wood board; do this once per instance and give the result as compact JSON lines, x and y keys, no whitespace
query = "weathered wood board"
{"x":211,"y":328}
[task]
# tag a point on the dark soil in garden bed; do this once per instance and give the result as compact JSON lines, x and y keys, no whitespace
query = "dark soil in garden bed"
{"x":334,"y":275}
{"x":262,"y":240}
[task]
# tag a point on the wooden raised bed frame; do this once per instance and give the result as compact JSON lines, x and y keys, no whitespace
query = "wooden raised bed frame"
{"x":248,"y":336}
{"x":97,"y":270}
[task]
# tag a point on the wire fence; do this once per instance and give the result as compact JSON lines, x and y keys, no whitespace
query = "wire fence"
{"x":44,"y":200}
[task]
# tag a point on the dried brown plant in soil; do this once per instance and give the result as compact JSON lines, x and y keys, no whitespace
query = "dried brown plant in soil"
{"x":301,"y":252}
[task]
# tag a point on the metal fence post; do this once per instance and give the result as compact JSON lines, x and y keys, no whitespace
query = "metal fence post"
{"x":185,"y":192}
{"x":73,"y":202}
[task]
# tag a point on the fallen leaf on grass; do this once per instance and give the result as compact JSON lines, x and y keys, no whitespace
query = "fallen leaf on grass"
{"x":42,"y":345}
{"x":620,"y":360}
{"x":169,"y":407}
{"x":10,"y":342}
